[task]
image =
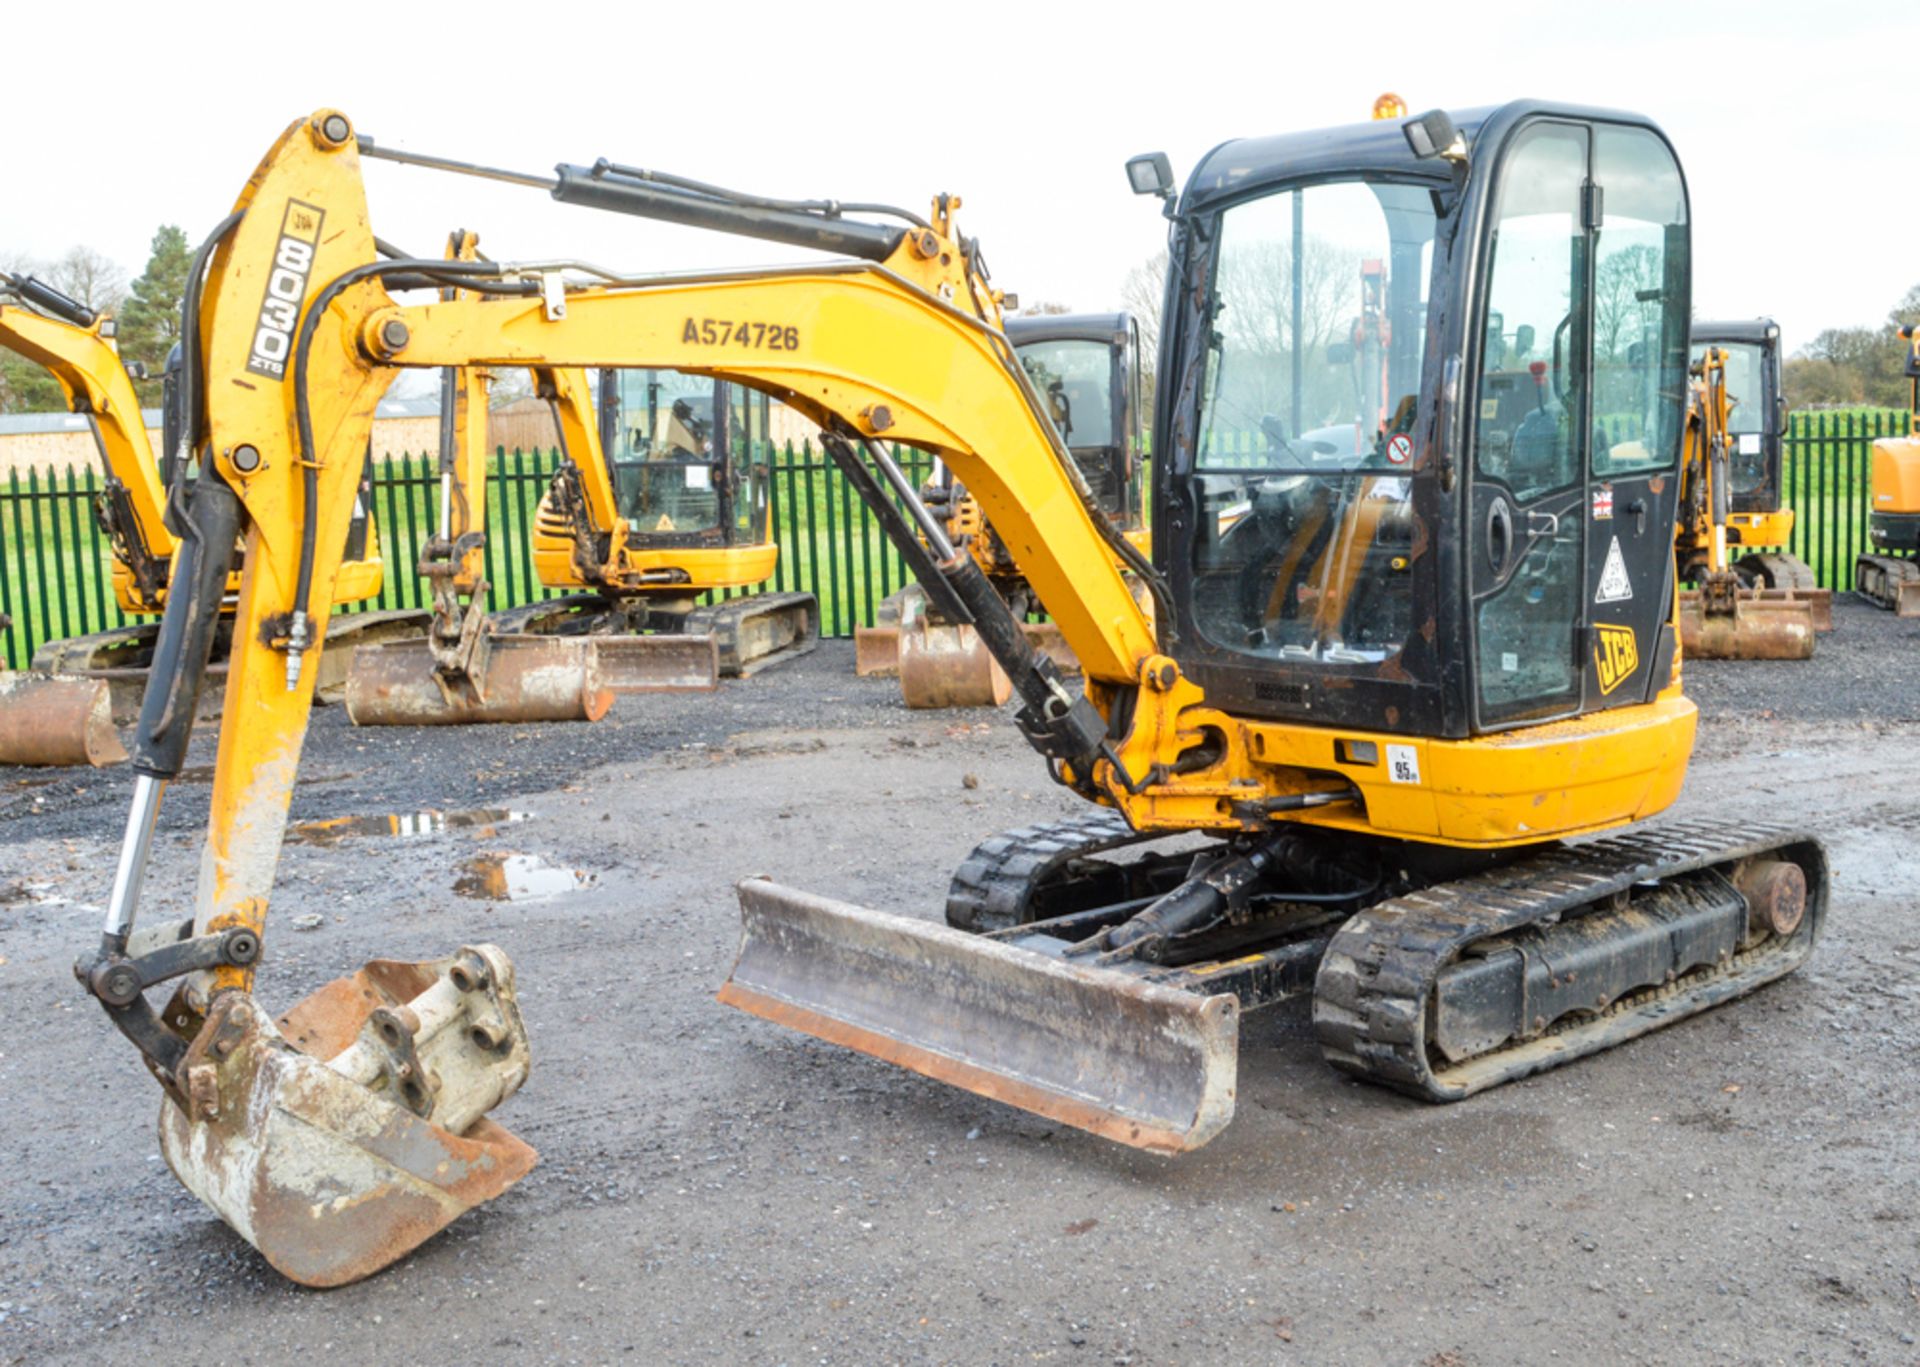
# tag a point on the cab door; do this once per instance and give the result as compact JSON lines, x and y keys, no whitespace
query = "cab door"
{"x":1576,"y":424}
{"x":1526,"y":552}
{"x":1640,"y":353}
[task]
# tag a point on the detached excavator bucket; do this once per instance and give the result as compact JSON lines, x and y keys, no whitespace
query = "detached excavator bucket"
{"x":528,"y":679}
{"x":344,"y":1135}
{"x":1100,"y":1049}
{"x":57,"y":721}
{"x":1757,"y":629}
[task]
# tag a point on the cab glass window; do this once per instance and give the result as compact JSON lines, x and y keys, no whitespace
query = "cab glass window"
{"x":1746,"y":389}
{"x":663,"y":451}
{"x":1640,"y":328}
{"x":1526,"y":436}
{"x":1317,"y":317}
{"x":1074,"y":379}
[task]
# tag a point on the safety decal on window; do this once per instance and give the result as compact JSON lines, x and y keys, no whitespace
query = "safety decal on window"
{"x":1403,"y":764}
{"x":1616,"y":654}
{"x":1615,"y":586}
{"x":1749,"y":443}
{"x":1399,"y":449}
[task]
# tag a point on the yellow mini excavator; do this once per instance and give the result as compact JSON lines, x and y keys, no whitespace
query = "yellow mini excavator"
{"x":658,"y":501}
{"x":1725,"y":617}
{"x":1765,"y":603}
{"x":668,"y":501}
{"x":1390,"y":685}
{"x":1889,"y":575}
{"x":1087,"y":367}
{"x":77,"y":347}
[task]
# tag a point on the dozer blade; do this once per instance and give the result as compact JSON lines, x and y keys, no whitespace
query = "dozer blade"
{"x":528,"y":679}
{"x":56,"y":721}
{"x":658,"y":664}
{"x":1100,"y":1049}
{"x":1757,"y":629}
{"x":343,"y":1136}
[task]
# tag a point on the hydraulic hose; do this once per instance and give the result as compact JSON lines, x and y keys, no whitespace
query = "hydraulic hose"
{"x":298,"y":632}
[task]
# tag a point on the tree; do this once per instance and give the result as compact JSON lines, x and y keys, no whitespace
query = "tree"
{"x":150,"y":321}
{"x":1141,"y":294}
{"x":91,"y":278}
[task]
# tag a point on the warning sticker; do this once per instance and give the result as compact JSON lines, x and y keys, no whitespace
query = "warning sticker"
{"x":1615,"y":587}
{"x":1603,"y":503}
{"x":1403,"y":764}
{"x":1399,"y":449}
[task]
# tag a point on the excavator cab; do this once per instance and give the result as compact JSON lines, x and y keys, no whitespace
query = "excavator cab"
{"x":1756,"y":427}
{"x":1087,"y":370}
{"x":1475,"y":535}
{"x":690,"y":458}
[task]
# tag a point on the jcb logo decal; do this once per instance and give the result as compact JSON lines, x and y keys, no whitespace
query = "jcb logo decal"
{"x":1616,"y":655}
{"x":286,"y":287}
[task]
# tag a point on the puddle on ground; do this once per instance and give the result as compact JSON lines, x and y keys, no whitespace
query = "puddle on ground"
{"x":403,"y":824}
{"x":517,"y":878}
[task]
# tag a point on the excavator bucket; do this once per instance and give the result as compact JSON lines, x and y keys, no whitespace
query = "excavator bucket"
{"x":1101,"y":1049}
{"x":1758,"y":628}
{"x":347,"y":1133}
{"x":948,"y":666}
{"x":56,"y":721}
{"x":528,"y":679}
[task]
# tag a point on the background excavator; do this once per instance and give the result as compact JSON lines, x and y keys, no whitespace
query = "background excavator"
{"x":1087,"y":366}
{"x":659,"y":499}
{"x":1749,"y":602}
{"x":76,"y":346}
{"x":1386,"y":686}
{"x":1889,"y":576}
{"x":1730,"y":615}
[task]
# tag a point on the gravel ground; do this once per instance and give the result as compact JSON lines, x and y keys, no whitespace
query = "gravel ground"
{"x":1739,"y":1188}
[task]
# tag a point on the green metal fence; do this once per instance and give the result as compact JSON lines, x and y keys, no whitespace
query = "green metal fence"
{"x":55,"y":580}
{"x":55,"y":576}
{"x":1829,"y":485}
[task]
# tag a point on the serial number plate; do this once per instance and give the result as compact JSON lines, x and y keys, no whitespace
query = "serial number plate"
{"x":727,"y":332}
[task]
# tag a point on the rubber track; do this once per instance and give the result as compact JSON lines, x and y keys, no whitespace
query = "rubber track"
{"x":724,"y":621}
{"x":993,"y":885}
{"x":1886,"y":573}
{"x":1782,"y":571}
{"x":1371,"y":994}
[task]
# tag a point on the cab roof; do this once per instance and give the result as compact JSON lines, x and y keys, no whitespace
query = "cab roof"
{"x":1245,"y":165}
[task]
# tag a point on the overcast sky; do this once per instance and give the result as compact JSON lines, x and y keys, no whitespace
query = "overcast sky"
{"x":1788,"y":118}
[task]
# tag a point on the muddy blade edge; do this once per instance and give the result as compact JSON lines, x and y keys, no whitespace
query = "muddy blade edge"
{"x":1136,"y":1062}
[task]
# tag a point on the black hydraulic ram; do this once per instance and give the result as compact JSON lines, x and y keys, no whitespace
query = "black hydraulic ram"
{"x":601,"y":187}
{"x":1056,"y":723}
{"x":44,"y":296}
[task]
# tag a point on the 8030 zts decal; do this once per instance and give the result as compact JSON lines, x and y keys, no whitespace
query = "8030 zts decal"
{"x":286,"y":287}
